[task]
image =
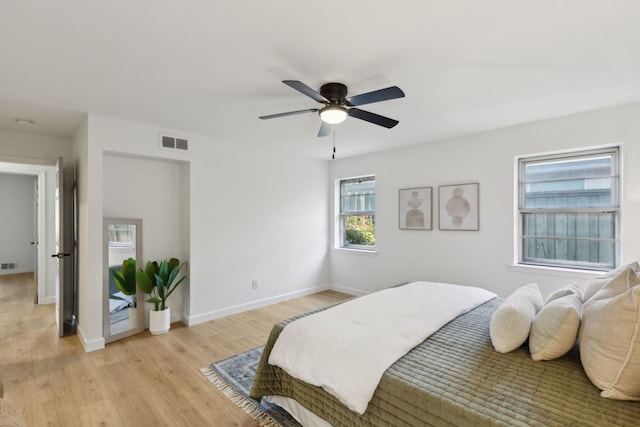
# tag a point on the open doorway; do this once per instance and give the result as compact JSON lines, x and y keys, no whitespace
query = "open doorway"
{"x":18,"y":225}
{"x":36,"y":184}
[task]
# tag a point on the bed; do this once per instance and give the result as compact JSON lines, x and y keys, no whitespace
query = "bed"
{"x":118,"y":304}
{"x":456,"y":378}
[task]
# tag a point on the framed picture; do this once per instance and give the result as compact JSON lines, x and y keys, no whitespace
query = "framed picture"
{"x":458,"y":207}
{"x":415,"y":208}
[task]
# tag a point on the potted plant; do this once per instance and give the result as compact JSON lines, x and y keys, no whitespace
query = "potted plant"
{"x":159,"y":281}
{"x":125,"y":281}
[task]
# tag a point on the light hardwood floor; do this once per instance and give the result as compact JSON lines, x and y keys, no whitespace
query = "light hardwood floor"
{"x":143,"y":380}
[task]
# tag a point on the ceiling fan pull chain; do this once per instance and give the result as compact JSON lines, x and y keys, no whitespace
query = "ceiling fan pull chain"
{"x":333,"y":156}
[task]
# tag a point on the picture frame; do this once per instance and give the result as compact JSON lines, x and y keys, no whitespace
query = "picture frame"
{"x":458,"y":207}
{"x":415,"y":208}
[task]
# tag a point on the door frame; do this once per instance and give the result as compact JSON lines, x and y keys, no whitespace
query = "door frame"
{"x":44,"y":229}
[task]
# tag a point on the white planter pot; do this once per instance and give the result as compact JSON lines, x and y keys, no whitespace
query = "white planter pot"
{"x":133,"y":317}
{"x":160,"y":321}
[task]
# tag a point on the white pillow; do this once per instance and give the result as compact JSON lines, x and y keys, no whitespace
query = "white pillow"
{"x":570,"y":289}
{"x":511,"y":322}
{"x":610,"y":338}
{"x":555,"y":329}
{"x":594,"y":284}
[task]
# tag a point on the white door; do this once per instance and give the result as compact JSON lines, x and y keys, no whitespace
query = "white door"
{"x":60,"y":247}
{"x":34,"y":242}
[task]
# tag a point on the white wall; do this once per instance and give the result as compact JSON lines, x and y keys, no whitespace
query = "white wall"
{"x":483,"y":258}
{"x":247,"y":214}
{"x":255,"y":215}
{"x":17,"y":222}
{"x":22,"y":147}
{"x":98,"y":138}
{"x":88,"y":160}
{"x":151,"y":190}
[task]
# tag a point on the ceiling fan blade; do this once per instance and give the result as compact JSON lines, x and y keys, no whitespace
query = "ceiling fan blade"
{"x":303,"y":88}
{"x":373,"y":118}
{"x":290,"y":113}
{"x":325,"y":129}
{"x":392,"y":92}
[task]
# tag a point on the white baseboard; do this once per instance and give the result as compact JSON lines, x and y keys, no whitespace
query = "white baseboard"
{"x":16,"y":271}
{"x":90,"y":345}
{"x":350,"y":291}
{"x":216,"y":314}
{"x":49,"y":300}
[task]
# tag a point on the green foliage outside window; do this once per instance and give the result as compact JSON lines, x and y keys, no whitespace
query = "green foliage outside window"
{"x":360,"y":230}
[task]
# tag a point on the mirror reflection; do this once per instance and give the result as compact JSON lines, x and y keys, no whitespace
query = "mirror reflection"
{"x":122,"y":252}
{"x":122,"y":292}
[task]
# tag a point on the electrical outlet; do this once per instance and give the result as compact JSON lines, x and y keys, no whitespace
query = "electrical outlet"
{"x":254,"y":284}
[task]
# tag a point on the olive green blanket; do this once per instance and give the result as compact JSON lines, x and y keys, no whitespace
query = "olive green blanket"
{"x":456,"y":378}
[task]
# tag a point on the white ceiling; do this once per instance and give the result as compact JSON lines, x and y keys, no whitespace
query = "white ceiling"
{"x":211,"y":67}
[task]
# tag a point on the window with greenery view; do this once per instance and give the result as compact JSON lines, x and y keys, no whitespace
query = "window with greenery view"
{"x":569,"y":207}
{"x":358,"y":213}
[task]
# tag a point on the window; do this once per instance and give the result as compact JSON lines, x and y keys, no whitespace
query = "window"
{"x":357,"y":216}
{"x":569,"y":207}
{"x":122,"y":235}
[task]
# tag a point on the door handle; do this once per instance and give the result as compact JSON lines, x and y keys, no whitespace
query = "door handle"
{"x":60,"y":255}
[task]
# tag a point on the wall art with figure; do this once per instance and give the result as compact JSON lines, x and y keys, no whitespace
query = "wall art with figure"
{"x":415,"y":208}
{"x":458,"y":207}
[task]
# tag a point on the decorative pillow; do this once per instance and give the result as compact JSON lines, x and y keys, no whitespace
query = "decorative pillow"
{"x":511,"y":322}
{"x":555,"y":328}
{"x":610,"y":338}
{"x":570,"y":289}
{"x":594,"y":284}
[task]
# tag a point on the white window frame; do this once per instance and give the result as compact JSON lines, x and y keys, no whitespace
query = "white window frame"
{"x":114,"y":236}
{"x":615,"y":209}
{"x":339,"y":234}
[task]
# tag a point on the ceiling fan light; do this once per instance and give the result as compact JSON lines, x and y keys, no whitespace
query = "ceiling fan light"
{"x":333,"y":114}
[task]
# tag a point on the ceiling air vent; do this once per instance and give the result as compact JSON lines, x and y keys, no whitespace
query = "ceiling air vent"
{"x":174,"y":142}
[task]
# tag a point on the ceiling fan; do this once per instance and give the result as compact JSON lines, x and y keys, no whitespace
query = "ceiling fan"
{"x":337,"y":106}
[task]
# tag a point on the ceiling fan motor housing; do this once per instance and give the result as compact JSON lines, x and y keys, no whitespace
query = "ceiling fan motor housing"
{"x":334,"y":92}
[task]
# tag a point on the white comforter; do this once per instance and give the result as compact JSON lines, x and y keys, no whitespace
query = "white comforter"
{"x":347,"y":348}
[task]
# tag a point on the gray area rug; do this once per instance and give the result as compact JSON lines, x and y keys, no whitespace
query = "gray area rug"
{"x":233,"y":377}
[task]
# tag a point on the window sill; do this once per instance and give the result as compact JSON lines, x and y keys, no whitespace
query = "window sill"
{"x":354,"y":251}
{"x":555,"y":271}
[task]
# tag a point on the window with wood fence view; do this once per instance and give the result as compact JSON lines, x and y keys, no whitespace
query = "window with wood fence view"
{"x":569,"y":207}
